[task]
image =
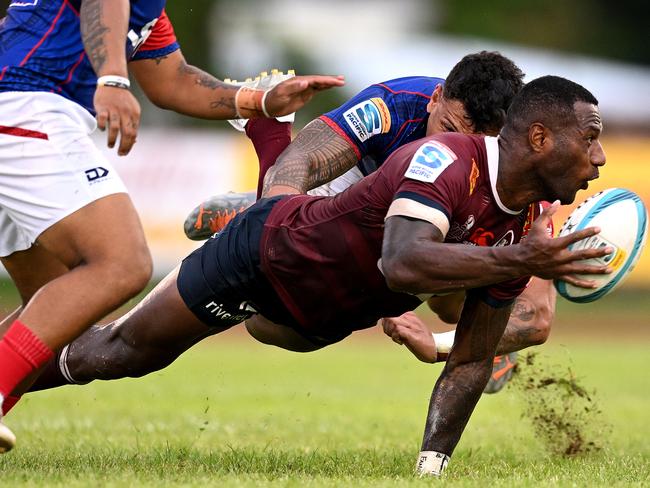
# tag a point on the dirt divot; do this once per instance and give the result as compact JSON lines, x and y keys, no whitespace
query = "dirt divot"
{"x":563,"y":413}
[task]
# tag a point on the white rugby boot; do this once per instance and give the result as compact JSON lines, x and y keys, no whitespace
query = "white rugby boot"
{"x":7,"y":438}
{"x":263,"y":81}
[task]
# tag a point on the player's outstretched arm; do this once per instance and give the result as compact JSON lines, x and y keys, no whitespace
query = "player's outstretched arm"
{"x":529,"y":325}
{"x":316,"y":156}
{"x":173,"y":84}
{"x":462,"y":381}
{"x":416,"y":260}
{"x":103,"y":30}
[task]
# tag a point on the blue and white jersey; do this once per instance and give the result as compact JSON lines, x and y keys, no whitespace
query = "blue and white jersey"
{"x":383,"y":117}
{"x":41,"y":47}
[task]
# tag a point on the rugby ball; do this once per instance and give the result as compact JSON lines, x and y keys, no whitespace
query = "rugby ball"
{"x":623,"y":220}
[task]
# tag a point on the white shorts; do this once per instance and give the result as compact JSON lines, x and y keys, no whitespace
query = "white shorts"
{"x":49,"y":166}
{"x":337,"y":185}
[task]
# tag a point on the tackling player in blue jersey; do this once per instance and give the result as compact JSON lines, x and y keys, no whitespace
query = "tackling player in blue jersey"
{"x":353,"y":140}
{"x":61,"y":63}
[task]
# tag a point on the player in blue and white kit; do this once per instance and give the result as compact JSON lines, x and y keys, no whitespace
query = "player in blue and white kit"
{"x":61,"y":63}
{"x":353,"y":140}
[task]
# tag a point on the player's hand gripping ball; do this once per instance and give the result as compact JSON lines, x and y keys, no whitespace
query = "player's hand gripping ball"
{"x":623,"y":220}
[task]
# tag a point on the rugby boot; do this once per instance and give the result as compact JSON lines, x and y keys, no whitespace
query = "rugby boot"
{"x":7,"y":438}
{"x":214,"y":214}
{"x":264,"y":81}
{"x":502,"y":370}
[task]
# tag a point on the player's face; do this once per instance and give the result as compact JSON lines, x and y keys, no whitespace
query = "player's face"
{"x":447,"y":115}
{"x":578,"y":154}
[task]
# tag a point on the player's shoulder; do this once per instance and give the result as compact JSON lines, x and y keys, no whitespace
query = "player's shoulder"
{"x":453,"y":154}
{"x":460,"y":147}
{"x":410,"y":86}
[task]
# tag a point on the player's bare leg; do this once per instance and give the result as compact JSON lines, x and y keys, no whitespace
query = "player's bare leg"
{"x":39,"y":267}
{"x":30,"y":270}
{"x":151,"y":336}
{"x":107,"y":264}
{"x":267,"y":332}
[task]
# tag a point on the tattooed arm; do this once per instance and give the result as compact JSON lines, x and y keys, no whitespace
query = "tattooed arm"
{"x":529,"y":324}
{"x":531,"y":317}
{"x":103,"y":28}
{"x":465,"y":375}
{"x":103,"y":32}
{"x":316,"y":156}
{"x":171,"y":83}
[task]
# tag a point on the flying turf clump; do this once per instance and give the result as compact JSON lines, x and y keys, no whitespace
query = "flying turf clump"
{"x":563,"y":413}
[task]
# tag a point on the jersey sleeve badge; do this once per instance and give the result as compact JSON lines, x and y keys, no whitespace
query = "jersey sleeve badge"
{"x":368,"y":118}
{"x":430,"y":160}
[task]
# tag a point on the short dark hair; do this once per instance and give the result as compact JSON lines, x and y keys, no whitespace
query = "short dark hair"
{"x":485,"y":82}
{"x":549,"y":100}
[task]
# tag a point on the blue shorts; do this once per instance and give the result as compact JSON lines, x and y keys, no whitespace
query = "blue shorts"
{"x":222,"y":283}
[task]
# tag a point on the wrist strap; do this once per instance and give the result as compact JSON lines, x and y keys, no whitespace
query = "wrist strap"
{"x":114,"y":81}
{"x":249,"y":103}
{"x":266,"y":113}
{"x":431,"y":463}
{"x":444,"y":341}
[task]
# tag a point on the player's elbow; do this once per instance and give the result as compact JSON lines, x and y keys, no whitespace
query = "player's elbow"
{"x":161,"y":99}
{"x":544,"y":316}
{"x":399,"y":277}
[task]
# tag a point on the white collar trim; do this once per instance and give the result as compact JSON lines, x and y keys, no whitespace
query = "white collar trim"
{"x":492,"y":149}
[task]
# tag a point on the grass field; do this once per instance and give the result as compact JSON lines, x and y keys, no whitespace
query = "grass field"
{"x":235,"y":413}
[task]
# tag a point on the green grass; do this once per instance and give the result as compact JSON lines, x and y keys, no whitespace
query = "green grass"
{"x":235,"y":413}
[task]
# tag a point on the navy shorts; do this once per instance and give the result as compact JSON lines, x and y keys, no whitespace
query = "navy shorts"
{"x":221,"y":282}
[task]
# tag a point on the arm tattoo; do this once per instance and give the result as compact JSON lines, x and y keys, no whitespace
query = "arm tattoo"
{"x":92,"y":33}
{"x":316,"y":156}
{"x":522,"y":329}
{"x":160,"y":59}
{"x":203,"y":79}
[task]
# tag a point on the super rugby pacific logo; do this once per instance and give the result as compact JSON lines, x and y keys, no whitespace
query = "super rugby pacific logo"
{"x":368,"y":118}
{"x":429,"y":161}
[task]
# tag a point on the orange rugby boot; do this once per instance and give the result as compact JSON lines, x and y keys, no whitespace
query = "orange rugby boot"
{"x":502,"y":370}
{"x":214,"y":214}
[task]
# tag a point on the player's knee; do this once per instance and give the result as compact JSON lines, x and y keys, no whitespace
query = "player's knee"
{"x":130,"y":274}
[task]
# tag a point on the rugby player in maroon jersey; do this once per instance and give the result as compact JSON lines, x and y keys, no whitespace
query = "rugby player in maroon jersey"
{"x":378,"y":249}
{"x":473,"y":98}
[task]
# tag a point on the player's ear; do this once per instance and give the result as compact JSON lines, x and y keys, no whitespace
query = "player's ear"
{"x":539,"y":137}
{"x":435,"y":98}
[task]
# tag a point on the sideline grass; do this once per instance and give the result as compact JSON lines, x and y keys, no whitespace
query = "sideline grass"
{"x":235,"y":413}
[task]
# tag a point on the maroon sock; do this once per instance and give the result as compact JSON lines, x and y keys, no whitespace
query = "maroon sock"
{"x":270,"y":137}
{"x":9,"y":403}
{"x":50,"y":377}
{"x":21,"y":352}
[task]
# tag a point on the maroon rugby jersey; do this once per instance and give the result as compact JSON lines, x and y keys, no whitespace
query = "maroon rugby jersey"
{"x":321,"y":253}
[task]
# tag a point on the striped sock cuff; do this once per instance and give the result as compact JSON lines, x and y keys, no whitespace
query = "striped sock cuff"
{"x":22,"y":340}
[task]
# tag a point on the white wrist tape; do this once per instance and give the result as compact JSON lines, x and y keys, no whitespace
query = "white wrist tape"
{"x":114,"y":81}
{"x":431,"y":463}
{"x":444,"y":341}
